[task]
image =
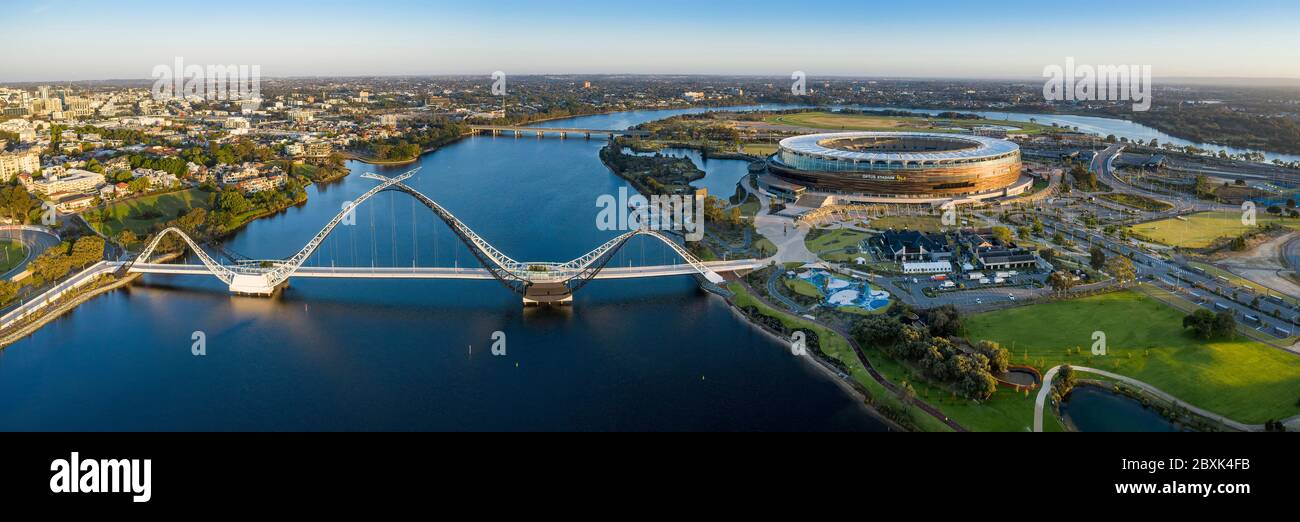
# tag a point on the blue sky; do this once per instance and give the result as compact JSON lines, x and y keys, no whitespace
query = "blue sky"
{"x":48,"y":40}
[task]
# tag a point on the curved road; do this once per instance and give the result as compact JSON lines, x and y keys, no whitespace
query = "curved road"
{"x":36,"y":243}
{"x":1291,"y":256}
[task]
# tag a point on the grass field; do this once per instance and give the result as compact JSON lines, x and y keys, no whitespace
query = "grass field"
{"x":1137,"y":202}
{"x":11,"y":254}
{"x":921,"y":223}
{"x":1203,"y":229}
{"x":759,"y":149}
{"x":864,"y":122}
{"x":830,"y":245}
{"x":804,"y":288}
{"x":1006,"y":411}
{"x":132,"y":214}
{"x":1244,"y":380}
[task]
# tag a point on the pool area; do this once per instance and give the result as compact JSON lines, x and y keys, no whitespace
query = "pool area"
{"x":841,"y":292}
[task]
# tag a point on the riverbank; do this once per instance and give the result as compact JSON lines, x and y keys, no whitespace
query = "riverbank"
{"x":68,"y":303}
{"x":822,"y":365}
{"x":848,"y":364}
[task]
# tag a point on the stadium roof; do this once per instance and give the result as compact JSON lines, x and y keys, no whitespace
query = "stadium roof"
{"x":984,"y":147}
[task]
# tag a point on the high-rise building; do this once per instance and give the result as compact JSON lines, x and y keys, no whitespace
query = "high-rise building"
{"x":13,"y":164}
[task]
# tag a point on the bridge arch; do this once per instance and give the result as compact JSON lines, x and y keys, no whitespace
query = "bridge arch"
{"x":516,"y":276}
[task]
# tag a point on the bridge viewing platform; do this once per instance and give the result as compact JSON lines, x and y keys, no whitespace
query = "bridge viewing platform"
{"x":562,"y":132}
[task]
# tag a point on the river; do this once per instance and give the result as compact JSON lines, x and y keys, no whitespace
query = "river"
{"x":416,"y":355}
{"x":1095,"y":125}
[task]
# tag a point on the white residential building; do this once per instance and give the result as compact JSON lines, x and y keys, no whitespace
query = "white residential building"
{"x":75,"y":181}
{"x":13,"y":164}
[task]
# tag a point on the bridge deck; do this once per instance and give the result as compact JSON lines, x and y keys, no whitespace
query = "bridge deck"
{"x":552,"y":130}
{"x":454,"y":273}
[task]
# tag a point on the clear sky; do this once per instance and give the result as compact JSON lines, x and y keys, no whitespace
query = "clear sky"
{"x":50,"y":40}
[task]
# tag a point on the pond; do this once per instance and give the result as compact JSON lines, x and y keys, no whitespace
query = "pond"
{"x":1094,"y":409}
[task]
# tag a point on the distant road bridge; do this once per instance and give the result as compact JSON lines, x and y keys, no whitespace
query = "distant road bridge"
{"x":537,"y":282}
{"x":562,"y":132}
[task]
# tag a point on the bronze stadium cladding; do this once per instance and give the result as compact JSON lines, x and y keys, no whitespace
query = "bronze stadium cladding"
{"x":981,"y":166}
{"x":952,"y":180}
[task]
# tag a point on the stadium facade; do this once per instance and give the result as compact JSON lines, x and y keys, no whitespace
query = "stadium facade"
{"x":899,"y":165}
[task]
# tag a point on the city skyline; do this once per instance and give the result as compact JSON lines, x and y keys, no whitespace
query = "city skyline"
{"x":76,"y":40}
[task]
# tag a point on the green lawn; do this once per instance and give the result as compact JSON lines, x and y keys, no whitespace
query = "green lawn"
{"x":1201,"y":230}
{"x":921,"y":223}
{"x":1006,"y":411}
{"x":829,"y":245}
{"x":11,"y":254}
{"x":1138,"y":202}
{"x":804,"y":288}
{"x":131,"y":214}
{"x":867,"y":122}
{"x":1244,"y":380}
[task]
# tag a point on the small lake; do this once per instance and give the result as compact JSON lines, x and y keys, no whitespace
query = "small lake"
{"x":1094,"y":409}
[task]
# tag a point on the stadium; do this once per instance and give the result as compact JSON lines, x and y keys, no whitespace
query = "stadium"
{"x":887,"y":166}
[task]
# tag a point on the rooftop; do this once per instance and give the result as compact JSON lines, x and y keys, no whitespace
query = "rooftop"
{"x":963,"y":146}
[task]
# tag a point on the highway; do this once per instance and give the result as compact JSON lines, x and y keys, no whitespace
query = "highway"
{"x":1192,"y":285}
{"x":1103,"y":166}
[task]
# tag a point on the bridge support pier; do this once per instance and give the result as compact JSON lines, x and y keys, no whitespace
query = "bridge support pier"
{"x":253,"y":285}
{"x":548,"y":294}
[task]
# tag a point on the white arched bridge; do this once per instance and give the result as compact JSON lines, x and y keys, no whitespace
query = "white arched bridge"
{"x":536,"y":282}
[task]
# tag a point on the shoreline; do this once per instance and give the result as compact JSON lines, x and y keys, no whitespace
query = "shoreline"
{"x":61,"y":310}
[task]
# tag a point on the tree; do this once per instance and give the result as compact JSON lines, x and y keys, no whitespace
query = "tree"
{"x":1003,"y":234}
{"x":87,"y":250}
{"x":1066,"y":379}
{"x":16,"y":203}
{"x":999,"y":358}
{"x":1097,"y":259}
{"x":1201,"y":322}
{"x":1208,"y":325}
{"x":1121,"y":268}
{"x":127,"y":238}
{"x":1225,"y":326}
{"x":8,"y":290}
{"x":1061,"y":282}
{"x":944,"y":321}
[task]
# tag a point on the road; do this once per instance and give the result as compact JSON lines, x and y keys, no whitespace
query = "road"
{"x":36,"y":241}
{"x":1291,"y":256}
{"x":1103,"y":166}
{"x":1183,"y":280}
